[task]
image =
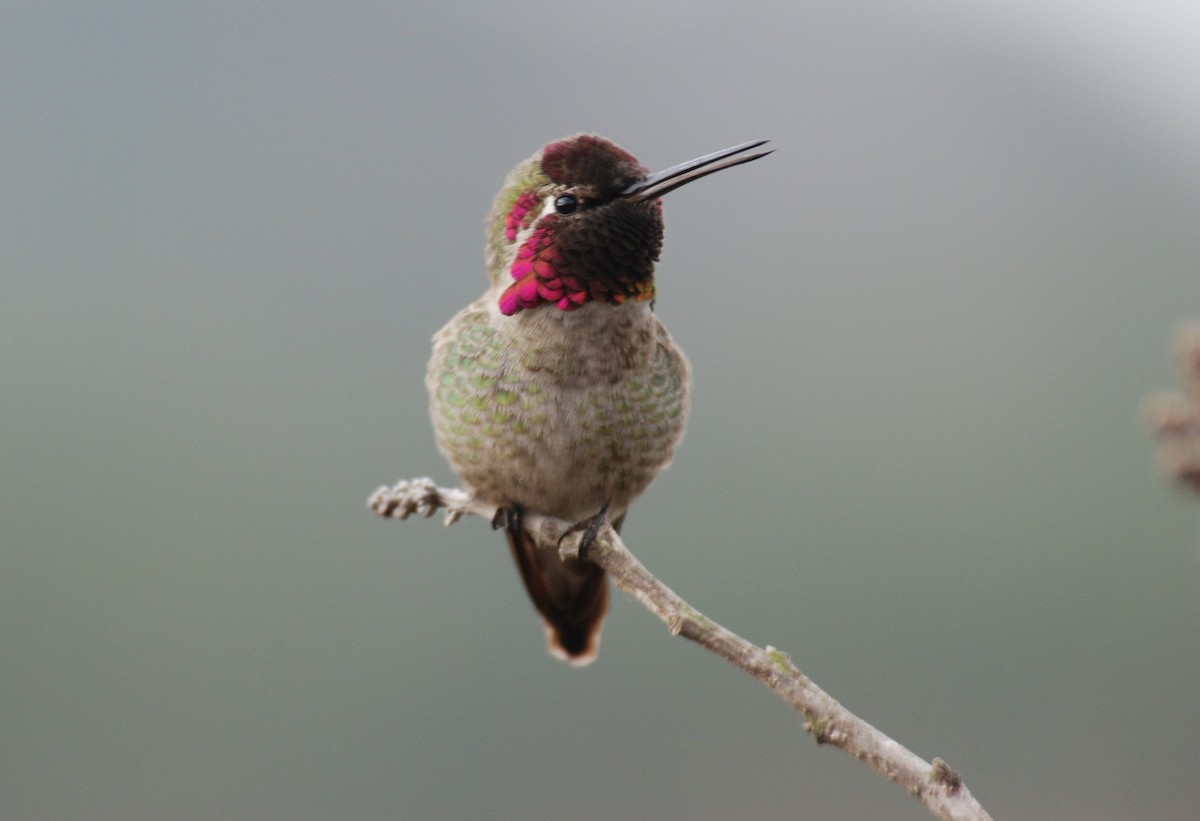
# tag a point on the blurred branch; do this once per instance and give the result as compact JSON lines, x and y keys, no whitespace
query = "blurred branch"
{"x":934,"y":784}
{"x":1175,"y":417}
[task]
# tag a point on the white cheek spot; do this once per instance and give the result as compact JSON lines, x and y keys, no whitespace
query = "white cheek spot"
{"x":525,"y":233}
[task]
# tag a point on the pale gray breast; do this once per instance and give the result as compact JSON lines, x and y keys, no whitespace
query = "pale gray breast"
{"x":559,"y":412}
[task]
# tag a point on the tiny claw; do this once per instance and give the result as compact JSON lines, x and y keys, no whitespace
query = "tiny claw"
{"x":508,"y":518}
{"x":589,"y":528}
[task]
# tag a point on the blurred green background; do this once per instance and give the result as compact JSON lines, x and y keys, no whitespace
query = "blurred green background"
{"x":921,"y":332}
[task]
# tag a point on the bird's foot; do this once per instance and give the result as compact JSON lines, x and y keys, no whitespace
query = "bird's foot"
{"x":508,"y":518}
{"x":588,"y":529}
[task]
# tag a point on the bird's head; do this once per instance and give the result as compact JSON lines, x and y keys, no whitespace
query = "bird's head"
{"x":581,"y":221}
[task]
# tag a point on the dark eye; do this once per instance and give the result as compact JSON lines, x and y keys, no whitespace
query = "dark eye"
{"x":566,"y":204}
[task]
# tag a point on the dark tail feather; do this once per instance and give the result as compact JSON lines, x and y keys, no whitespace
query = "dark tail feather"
{"x":571,"y":597}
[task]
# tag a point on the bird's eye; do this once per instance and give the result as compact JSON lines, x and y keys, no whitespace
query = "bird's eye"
{"x":566,"y":204}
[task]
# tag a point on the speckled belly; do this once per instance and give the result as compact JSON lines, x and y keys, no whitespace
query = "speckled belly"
{"x":559,"y":416}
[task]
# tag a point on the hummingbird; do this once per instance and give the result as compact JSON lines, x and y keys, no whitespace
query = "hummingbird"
{"x":559,"y":391}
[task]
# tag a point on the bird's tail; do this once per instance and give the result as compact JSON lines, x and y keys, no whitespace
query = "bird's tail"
{"x":571,"y":597}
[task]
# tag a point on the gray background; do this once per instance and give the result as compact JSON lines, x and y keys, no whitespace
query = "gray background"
{"x":921,"y":332}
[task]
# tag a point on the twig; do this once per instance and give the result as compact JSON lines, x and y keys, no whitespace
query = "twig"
{"x":934,"y":784}
{"x":1176,"y":417}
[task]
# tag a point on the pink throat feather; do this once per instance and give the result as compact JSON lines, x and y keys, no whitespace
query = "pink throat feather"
{"x":543,"y":275}
{"x":540,"y":275}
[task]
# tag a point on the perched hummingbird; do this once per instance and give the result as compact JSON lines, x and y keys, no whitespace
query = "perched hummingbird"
{"x":559,"y":391}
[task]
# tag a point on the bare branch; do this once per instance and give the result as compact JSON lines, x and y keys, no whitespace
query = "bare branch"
{"x":934,"y":784}
{"x":1176,"y":417}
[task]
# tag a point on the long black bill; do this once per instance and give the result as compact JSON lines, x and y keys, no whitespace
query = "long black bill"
{"x":656,"y":185}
